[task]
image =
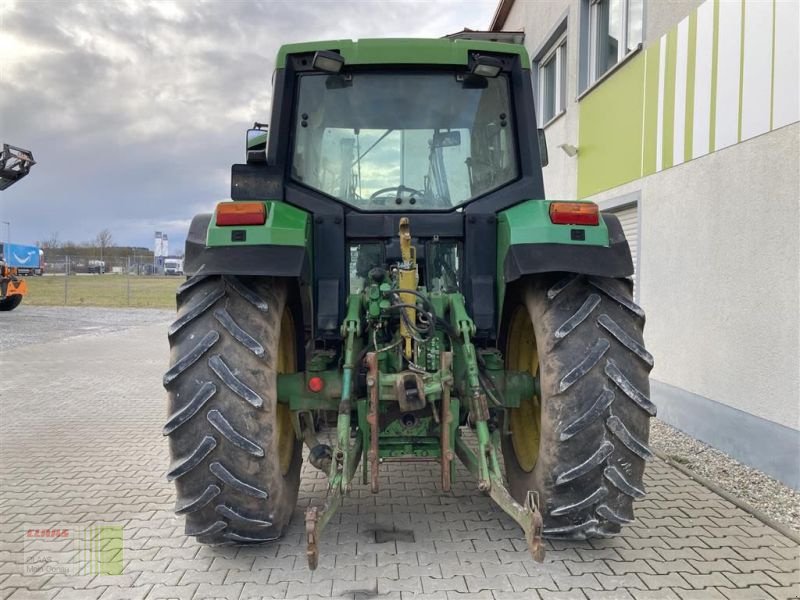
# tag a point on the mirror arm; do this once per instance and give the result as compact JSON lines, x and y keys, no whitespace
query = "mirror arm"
{"x":256,"y":156}
{"x":545,"y":160}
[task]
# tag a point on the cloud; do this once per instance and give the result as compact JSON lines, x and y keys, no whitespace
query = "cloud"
{"x":136,"y":110}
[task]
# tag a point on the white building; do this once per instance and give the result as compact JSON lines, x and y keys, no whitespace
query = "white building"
{"x":684,"y":115}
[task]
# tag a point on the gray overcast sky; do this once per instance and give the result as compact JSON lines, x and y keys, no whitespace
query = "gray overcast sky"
{"x":135,"y":110}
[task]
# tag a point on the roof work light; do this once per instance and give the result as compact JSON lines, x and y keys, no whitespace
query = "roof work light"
{"x":324,"y":60}
{"x":487,"y":66}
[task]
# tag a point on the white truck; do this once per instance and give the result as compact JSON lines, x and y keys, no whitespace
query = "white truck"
{"x":173,"y":266}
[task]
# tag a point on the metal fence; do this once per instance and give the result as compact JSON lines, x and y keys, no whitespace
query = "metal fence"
{"x":67,"y":264}
{"x":119,"y":281}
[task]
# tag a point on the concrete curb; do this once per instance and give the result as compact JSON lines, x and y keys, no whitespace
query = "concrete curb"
{"x":768,"y":521}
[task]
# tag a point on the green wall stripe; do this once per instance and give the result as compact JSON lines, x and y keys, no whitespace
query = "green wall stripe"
{"x":712,"y":119}
{"x":650,"y":127}
{"x":610,"y":121}
{"x":668,"y":125}
{"x":688,"y":130}
{"x":741,"y":73}
{"x":772,"y":74}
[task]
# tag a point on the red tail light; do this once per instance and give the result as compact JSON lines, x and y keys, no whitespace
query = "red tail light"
{"x":316,"y":384}
{"x":241,"y":213}
{"x":574,"y":213}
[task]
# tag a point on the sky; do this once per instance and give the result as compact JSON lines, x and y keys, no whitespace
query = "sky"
{"x":135,"y":110}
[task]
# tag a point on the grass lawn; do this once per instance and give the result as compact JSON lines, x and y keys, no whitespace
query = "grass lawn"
{"x":102,"y":290}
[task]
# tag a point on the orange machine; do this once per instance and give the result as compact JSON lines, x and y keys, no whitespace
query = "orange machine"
{"x":15,"y":163}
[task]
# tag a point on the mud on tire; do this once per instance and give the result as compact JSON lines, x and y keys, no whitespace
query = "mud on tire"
{"x":234,"y":483}
{"x":594,"y":407}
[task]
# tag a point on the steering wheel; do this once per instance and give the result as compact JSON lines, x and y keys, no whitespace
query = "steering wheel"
{"x":398,"y":189}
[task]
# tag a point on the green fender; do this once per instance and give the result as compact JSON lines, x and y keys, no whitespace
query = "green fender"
{"x":281,"y":247}
{"x":529,"y":243}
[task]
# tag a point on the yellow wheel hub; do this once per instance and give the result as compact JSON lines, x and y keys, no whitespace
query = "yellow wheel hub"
{"x":525,"y":421}
{"x":287,"y":363}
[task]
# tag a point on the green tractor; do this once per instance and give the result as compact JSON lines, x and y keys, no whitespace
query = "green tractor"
{"x":388,"y":264}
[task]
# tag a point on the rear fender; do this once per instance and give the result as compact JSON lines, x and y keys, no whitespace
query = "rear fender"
{"x":281,"y":247}
{"x":529,"y":243}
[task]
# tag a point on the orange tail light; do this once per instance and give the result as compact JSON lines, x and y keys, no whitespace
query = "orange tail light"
{"x":241,"y":213}
{"x":574,"y":213}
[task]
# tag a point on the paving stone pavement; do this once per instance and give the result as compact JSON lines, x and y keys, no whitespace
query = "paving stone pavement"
{"x":81,"y":445}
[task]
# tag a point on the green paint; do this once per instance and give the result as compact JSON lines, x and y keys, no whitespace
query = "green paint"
{"x":529,"y":223}
{"x":712,"y":118}
{"x":610,"y":130}
{"x":741,"y":74}
{"x":363,"y":429}
{"x":668,"y":123}
{"x":650,"y":131}
{"x":688,"y":127}
{"x":285,"y":226}
{"x":101,"y":550}
{"x":423,"y":427}
{"x":404,"y":51}
{"x":772,"y":72}
{"x":109,"y":560}
{"x":293,"y":390}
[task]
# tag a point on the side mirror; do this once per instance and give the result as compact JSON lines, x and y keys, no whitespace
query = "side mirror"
{"x":543,"y":148}
{"x":256,"y":145}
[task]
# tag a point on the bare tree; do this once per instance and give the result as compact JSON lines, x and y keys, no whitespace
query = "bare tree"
{"x":51,"y":242}
{"x":103,"y":241}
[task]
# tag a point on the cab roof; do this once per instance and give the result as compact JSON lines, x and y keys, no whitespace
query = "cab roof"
{"x":422,"y":51}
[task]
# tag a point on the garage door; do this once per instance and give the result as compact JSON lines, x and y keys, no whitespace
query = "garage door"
{"x":629,"y":219}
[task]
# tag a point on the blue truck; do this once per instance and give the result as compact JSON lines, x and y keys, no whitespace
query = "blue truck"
{"x":28,"y":260}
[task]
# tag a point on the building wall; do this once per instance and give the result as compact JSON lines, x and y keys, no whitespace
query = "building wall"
{"x":725,"y":73}
{"x":661,"y":16}
{"x":701,"y":127}
{"x":538,"y":20}
{"x":720,"y":258}
{"x":721,"y":284}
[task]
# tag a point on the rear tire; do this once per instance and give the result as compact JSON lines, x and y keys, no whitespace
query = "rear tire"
{"x":235,"y":458}
{"x":10,"y":303}
{"x":583,"y":445}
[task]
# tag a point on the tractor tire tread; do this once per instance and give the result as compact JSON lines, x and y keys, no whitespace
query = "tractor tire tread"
{"x":222,"y":425}
{"x":194,"y":354}
{"x":182,"y":415}
{"x":236,"y":385}
{"x":594,"y":381}
{"x":248,"y":341}
{"x":188,"y":505}
{"x":195,"y":457}
{"x":222,"y":388}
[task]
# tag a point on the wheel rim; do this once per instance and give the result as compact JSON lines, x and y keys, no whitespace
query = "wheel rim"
{"x":525,"y":421}
{"x":287,"y":363}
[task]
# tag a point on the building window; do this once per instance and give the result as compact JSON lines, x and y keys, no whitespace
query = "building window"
{"x":552,"y":81}
{"x":615,"y":30}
